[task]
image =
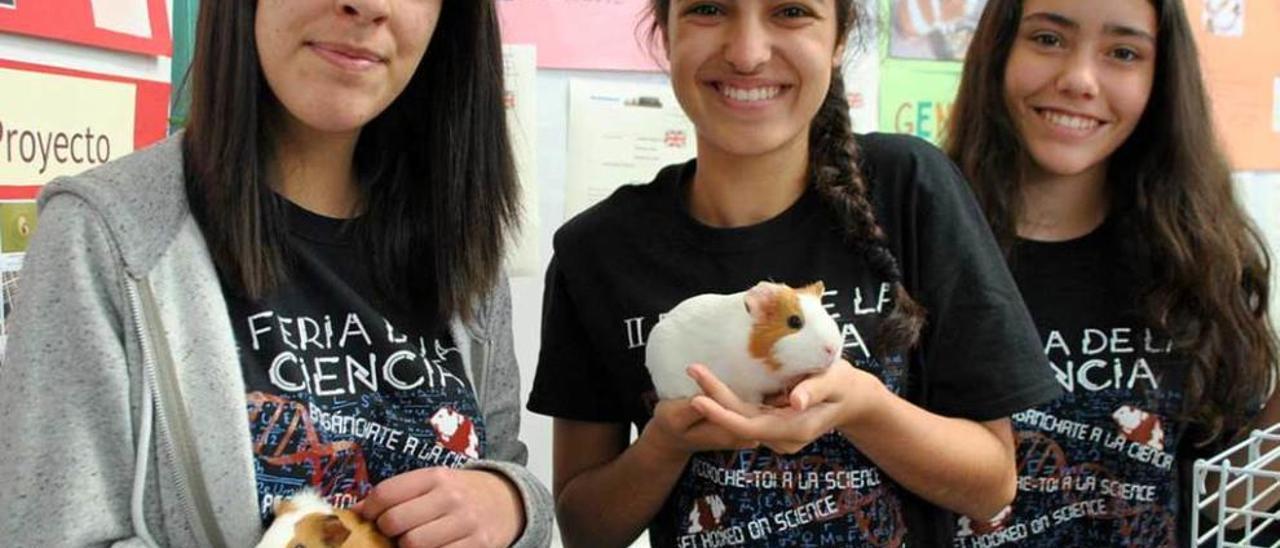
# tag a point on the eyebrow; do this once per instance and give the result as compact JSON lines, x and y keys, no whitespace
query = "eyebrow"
{"x":1109,"y":28}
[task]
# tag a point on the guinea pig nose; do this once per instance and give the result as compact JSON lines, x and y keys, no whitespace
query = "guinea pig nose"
{"x":830,"y":350}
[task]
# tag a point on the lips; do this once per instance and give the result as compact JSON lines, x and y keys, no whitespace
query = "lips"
{"x":346,"y":57}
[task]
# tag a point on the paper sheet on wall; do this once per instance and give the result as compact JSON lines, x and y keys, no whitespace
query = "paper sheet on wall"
{"x":1260,"y":194}
{"x":1240,"y":56}
{"x":621,"y":134}
{"x":520,"y":66}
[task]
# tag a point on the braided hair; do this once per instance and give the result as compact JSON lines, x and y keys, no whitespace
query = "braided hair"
{"x":833,"y":161}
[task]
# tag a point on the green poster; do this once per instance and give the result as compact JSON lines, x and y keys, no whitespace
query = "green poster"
{"x":916,"y":97}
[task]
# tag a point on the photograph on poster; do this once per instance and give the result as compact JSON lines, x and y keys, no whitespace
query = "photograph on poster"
{"x":1224,"y":17}
{"x":933,"y":29}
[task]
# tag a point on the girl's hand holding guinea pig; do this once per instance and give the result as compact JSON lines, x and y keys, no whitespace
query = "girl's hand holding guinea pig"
{"x":838,"y":398}
{"x":678,"y":430}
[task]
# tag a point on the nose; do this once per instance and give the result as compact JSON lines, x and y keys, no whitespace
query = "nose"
{"x":371,"y":11}
{"x":830,"y":350}
{"x":748,"y":46}
{"x":1078,"y":77}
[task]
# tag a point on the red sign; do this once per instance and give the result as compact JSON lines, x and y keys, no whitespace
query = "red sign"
{"x":47,"y":129}
{"x":136,"y":26}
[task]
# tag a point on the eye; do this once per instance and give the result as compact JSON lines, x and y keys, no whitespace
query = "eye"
{"x":794,"y":12}
{"x":1127,"y":55}
{"x":795,"y":322}
{"x":299,"y":545}
{"x":704,"y":10}
{"x":1047,"y":39}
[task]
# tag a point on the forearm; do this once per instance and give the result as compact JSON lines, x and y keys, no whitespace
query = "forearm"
{"x":613,"y":503}
{"x":954,"y":463}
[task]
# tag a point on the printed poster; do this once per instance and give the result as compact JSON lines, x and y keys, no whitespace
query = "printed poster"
{"x":620,"y":134}
{"x":932,"y":29}
{"x":17,"y":224}
{"x":916,"y":98}
{"x":581,"y":34}
{"x":520,"y":99}
{"x":60,"y":122}
{"x":134,"y":26}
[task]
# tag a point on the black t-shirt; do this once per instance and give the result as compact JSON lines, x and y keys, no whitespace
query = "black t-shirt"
{"x":1099,"y":465}
{"x":632,"y":257}
{"x":345,"y":387}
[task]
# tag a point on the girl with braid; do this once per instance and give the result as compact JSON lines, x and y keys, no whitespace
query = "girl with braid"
{"x":1085,"y":129}
{"x":910,"y":425}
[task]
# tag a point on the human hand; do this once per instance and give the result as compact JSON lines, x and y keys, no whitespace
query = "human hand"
{"x":440,"y":506}
{"x":837,"y":398}
{"x":678,"y":430}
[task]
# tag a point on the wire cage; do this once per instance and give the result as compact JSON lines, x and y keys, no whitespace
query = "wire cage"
{"x":1242,"y":468}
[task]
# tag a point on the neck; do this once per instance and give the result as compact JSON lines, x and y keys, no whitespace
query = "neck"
{"x":315,"y":170}
{"x":730,"y":190}
{"x":1062,"y":207}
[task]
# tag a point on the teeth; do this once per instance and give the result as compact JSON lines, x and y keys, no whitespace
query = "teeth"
{"x":750,"y":95}
{"x":1068,"y":121}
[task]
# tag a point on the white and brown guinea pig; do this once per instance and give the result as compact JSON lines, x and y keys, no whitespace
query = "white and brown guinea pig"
{"x":305,"y":520}
{"x":758,"y":342}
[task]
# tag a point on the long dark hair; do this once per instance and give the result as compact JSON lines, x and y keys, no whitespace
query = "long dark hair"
{"x":833,"y":171}
{"x":1171,"y":187}
{"x":435,"y":167}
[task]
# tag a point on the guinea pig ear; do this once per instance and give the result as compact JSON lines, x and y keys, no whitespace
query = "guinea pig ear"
{"x":761,"y":300}
{"x":333,"y":531}
{"x":816,"y":289}
{"x":282,"y":506}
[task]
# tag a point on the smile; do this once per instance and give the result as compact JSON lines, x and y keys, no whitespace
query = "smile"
{"x":749,"y":95}
{"x":1068,"y":121}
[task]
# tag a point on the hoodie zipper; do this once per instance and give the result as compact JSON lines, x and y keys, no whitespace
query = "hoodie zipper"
{"x":161,"y":375}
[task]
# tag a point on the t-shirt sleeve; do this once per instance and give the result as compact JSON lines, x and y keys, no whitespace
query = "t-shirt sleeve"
{"x":981,"y":353}
{"x":570,"y":381}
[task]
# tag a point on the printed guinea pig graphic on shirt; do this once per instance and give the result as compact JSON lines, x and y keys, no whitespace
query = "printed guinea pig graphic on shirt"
{"x":757,"y":342}
{"x":706,"y":514}
{"x":1140,"y":426}
{"x":456,"y":432}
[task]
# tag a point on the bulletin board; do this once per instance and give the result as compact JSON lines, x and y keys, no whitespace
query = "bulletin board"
{"x":134,"y":26}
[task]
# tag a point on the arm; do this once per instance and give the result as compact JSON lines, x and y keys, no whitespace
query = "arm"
{"x":506,"y":455}
{"x":65,"y":388}
{"x":959,"y":464}
{"x":606,"y":492}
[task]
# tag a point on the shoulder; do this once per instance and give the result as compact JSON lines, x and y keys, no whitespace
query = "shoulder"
{"x":906,"y":168}
{"x":629,"y":210}
{"x":141,"y":199}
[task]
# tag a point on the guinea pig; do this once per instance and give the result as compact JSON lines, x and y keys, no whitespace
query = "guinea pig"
{"x":758,"y":342}
{"x":306,"y":521}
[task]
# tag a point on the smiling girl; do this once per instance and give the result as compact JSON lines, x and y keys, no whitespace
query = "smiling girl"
{"x":303,"y":289}
{"x":940,"y":349}
{"x":1085,"y":130}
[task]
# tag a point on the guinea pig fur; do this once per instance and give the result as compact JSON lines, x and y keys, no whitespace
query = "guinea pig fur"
{"x":757,"y":342}
{"x":306,"y":521}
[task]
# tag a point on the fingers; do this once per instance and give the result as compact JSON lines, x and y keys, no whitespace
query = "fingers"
{"x":716,"y":390}
{"x":445,"y":531}
{"x":399,"y":489}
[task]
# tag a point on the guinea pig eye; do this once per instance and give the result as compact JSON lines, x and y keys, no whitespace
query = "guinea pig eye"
{"x":795,"y":322}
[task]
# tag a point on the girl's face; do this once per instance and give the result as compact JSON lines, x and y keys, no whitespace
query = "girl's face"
{"x":751,"y":74}
{"x":1078,"y":79}
{"x":336,"y":64}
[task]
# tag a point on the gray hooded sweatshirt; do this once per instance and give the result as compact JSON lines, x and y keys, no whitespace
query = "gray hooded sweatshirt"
{"x":123,"y":419}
